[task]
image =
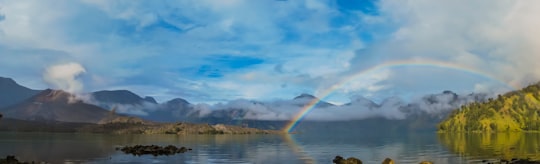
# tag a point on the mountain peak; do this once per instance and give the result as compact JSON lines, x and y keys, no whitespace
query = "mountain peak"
{"x":448,"y":92}
{"x":49,"y":95}
{"x":150,"y":99}
{"x":12,"y":93}
{"x":56,"y":105}
{"x":117,"y":96}
{"x":7,"y":81}
{"x":305,"y":96}
{"x":177,"y":101}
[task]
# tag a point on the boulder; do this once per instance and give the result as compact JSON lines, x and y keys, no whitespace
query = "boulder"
{"x":351,"y":160}
{"x":388,"y":161}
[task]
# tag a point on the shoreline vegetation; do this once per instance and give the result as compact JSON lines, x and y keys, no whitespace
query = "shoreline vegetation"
{"x":516,"y":111}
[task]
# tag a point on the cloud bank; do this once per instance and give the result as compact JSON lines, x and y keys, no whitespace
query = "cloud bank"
{"x":393,"y":108}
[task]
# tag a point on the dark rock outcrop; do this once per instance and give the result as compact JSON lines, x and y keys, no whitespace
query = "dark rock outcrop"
{"x":351,"y":160}
{"x":10,"y":159}
{"x":154,"y":150}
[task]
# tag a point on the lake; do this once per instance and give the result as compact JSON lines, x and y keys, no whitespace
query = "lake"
{"x":295,"y":148}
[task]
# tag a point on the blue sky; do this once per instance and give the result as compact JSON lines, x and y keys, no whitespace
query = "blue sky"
{"x":220,"y":50}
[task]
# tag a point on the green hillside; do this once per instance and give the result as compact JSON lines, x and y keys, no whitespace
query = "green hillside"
{"x":514,"y":111}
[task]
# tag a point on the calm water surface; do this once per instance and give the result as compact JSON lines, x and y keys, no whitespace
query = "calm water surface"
{"x":298,"y":148}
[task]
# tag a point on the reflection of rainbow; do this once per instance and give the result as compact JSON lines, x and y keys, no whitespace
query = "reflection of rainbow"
{"x":291,"y":142}
{"x":392,"y":64}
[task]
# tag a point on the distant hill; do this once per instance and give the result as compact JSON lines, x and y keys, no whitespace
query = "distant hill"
{"x":120,"y":97}
{"x":55,"y":105}
{"x":513,"y":111}
{"x":12,"y":93}
{"x":171,"y":111}
{"x":305,"y":98}
{"x":150,"y":99}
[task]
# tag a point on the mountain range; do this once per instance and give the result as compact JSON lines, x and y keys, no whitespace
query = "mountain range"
{"x":22,"y":103}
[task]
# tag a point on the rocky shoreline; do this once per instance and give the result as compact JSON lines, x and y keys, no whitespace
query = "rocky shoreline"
{"x":10,"y":159}
{"x":127,"y":126}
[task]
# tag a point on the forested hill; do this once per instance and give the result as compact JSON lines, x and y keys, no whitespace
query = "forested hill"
{"x":513,"y":111}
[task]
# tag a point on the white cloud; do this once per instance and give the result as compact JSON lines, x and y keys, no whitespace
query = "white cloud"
{"x":495,"y":36}
{"x":137,"y":43}
{"x":64,"y":77}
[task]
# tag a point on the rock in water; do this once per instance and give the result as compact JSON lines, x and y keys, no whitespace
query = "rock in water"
{"x":426,"y":162}
{"x":338,"y":160}
{"x":351,"y":160}
{"x":153,"y":149}
{"x":388,"y":161}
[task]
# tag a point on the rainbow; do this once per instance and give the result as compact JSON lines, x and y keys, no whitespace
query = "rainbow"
{"x":392,"y":64}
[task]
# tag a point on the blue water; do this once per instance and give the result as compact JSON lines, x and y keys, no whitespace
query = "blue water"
{"x":296,"y":148}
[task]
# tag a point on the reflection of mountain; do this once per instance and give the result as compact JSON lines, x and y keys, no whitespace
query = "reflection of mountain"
{"x":493,"y":145}
{"x":514,"y":111}
{"x":12,"y":93}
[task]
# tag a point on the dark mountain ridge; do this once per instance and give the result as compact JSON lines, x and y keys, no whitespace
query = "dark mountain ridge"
{"x":120,"y":97}
{"x":305,"y":98}
{"x":12,"y":93}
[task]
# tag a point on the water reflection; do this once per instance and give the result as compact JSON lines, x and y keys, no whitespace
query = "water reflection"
{"x":297,"y":148}
{"x":478,"y":146}
{"x":99,"y":148}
